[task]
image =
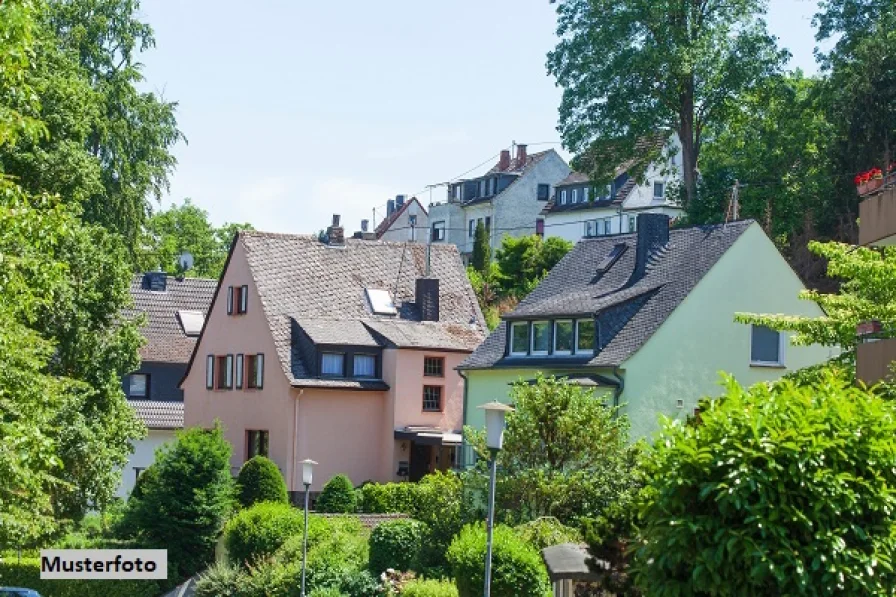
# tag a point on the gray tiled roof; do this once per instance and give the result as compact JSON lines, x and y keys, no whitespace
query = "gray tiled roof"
{"x":160,"y":414}
{"x":303,"y":280}
{"x":515,"y":168}
{"x":165,"y":338}
{"x":572,"y":288}
{"x":621,"y":195}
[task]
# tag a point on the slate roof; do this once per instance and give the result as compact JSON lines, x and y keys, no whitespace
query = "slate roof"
{"x":573,"y":288}
{"x":383,"y":226}
{"x":321,"y":289}
{"x":160,"y":414}
{"x":515,"y":168}
{"x":166,"y":341}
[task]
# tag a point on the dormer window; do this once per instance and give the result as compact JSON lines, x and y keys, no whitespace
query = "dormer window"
{"x":541,"y":331}
{"x":563,"y":337}
{"x":332,"y":364}
{"x":585,"y":335}
{"x":364,"y":365}
{"x":519,"y":338}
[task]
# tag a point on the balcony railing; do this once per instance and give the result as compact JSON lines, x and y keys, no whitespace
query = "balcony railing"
{"x":877,"y":217}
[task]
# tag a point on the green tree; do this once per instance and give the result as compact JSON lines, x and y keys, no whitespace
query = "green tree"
{"x":482,"y":252}
{"x":185,"y":504}
{"x":523,"y":262}
{"x":108,"y":147}
{"x":633,"y":68}
{"x":777,"y":491}
{"x":261,"y":481}
{"x":337,"y":496}
{"x":181,"y":228}
{"x":565,"y":454}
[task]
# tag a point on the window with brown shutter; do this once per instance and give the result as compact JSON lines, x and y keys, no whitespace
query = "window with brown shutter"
{"x":221,"y":367}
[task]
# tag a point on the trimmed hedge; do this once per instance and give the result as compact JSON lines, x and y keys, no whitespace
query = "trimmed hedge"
{"x":429,"y":588}
{"x":396,"y":544}
{"x":259,"y":531}
{"x":261,"y":481}
{"x":387,"y":498}
{"x":27,"y":574}
{"x":337,"y":497}
{"x":517,"y":568}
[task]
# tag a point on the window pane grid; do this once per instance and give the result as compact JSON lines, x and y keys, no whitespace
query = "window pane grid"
{"x":432,"y":398}
{"x":433,"y":367}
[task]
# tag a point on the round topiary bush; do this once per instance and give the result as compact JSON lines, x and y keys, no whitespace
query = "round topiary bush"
{"x":337,"y":496}
{"x":261,"y":481}
{"x":260,"y":530}
{"x":396,"y":544}
{"x":517,"y":567}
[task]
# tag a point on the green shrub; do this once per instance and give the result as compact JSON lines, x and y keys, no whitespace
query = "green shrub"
{"x":781,"y":490}
{"x":186,"y":500}
{"x":337,"y":496}
{"x":261,"y":481}
{"x":547,"y":531}
{"x":429,"y":588}
{"x":145,"y":478}
{"x":439,"y":504}
{"x":27,"y":574}
{"x":327,"y":592}
{"x":517,"y":568}
{"x":388,"y":498}
{"x":261,"y":530}
{"x":219,"y":579}
{"x":396,"y":544}
{"x":337,"y":549}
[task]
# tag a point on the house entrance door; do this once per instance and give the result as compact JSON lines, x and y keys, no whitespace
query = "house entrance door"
{"x":421,"y":457}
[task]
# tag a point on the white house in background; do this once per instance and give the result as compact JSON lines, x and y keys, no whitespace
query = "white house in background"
{"x":406,"y":221}
{"x":175,"y":310}
{"x":508,"y":200}
{"x":579,"y":209}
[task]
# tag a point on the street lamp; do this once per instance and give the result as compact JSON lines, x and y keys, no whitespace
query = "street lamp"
{"x":307,"y":471}
{"x":494,"y":440}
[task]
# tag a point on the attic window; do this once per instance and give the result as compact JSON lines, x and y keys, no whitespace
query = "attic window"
{"x":611,"y":258}
{"x":191,"y":321}
{"x":381,"y":301}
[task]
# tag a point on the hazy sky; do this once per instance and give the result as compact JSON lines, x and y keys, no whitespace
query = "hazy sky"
{"x":296,"y":110}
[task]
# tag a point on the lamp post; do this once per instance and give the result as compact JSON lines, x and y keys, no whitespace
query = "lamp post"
{"x":494,"y":440}
{"x":307,"y":470}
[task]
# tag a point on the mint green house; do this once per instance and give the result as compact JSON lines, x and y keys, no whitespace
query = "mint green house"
{"x":647,"y":320}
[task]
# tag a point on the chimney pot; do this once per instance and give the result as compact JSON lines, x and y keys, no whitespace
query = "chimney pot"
{"x":399,"y":201}
{"x":504,"y":161}
{"x":521,"y":155}
{"x":364,"y":225}
{"x":427,"y":298}
{"x":652,"y":236}
{"x":335,"y":220}
{"x":390,"y":207}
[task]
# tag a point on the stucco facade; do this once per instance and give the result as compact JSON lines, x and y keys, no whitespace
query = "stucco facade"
{"x":349,"y":431}
{"x":142,"y":456}
{"x":411,"y":224}
{"x":683,"y":359}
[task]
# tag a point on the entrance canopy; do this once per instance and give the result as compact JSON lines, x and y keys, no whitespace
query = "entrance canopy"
{"x":569,"y":561}
{"x":431,"y":436}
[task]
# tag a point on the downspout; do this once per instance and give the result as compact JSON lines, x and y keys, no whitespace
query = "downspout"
{"x":463,"y":441}
{"x":617,"y":393}
{"x":295,"y":440}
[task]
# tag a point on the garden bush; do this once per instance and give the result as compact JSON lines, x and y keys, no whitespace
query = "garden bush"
{"x":429,"y":588}
{"x":186,"y":500}
{"x":781,"y":490}
{"x":439,"y":504}
{"x":517,"y":568}
{"x":337,"y":550}
{"x":387,"y":498}
{"x":219,"y":579}
{"x":337,"y":496}
{"x":547,"y":531}
{"x":261,"y":530}
{"x":27,"y":574}
{"x":396,"y":544}
{"x":261,"y":481}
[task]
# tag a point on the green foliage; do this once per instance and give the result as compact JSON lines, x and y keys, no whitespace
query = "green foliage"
{"x":565,"y":454}
{"x":337,"y":496}
{"x":185,"y":504}
{"x":387,"y":498}
{"x":396,"y":544}
{"x":546,"y":532}
{"x":219,"y":579}
{"x":610,"y":536}
{"x":517,"y":568}
{"x":261,"y":530}
{"x":634,"y":68}
{"x":524,"y":261}
{"x":261,"y":481}
{"x":482,"y":251}
{"x":429,"y":588}
{"x":185,"y":228}
{"x":439,"y":504}
{"x":781,"y":490}
{"x":27,"y":574}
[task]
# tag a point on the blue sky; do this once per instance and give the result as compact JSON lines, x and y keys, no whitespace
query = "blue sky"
{"x":295,"y":111}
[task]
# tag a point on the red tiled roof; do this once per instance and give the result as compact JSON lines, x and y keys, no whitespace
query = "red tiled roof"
{"x":383,"y":226}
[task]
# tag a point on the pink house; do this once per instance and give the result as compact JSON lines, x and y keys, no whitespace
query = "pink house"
{"x":342,"y":351}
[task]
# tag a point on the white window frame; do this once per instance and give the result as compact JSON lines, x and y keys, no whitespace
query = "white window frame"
{"x":259,"y":371}
{"x":238,"y":382}
{"x":554,"y":339}
{"x":585,"y":192}
{"x":524,"y":324}
{"x":210,"y":372}
{"x":576,"y":343}
{"x":244,"y":300}
{"x":131,"y":378}
{"x":230,"y":300}
{"x":228,"y":372}
{"x":532,"y":350}
{"x":608,"y":226}
{"x":598,"y":229}
{"x":662,"y":189}
{"x":632,"y":223}
{"x":563,"y":197}
{"x":575,"y":195}
{"x":782,"y":343}
{"x":472,"y":227}
{"x":440,"y":228}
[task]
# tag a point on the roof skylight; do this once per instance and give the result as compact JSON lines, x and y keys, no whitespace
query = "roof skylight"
{"x":614,"y":254}
{"x":191,"y":321}
{"x":381,"y":301}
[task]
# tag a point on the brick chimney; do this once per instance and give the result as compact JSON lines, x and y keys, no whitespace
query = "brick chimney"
{"x":427,"y":298}
{"x":364,"y":225}
{"x":652,"y":236}
{"x":335,"y":233}
{"x":504,"y":161}
{"x":521,"y":156}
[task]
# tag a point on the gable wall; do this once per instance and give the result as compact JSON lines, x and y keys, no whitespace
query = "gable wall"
{"x":400,"y":230}
{"x":684,"y":357}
